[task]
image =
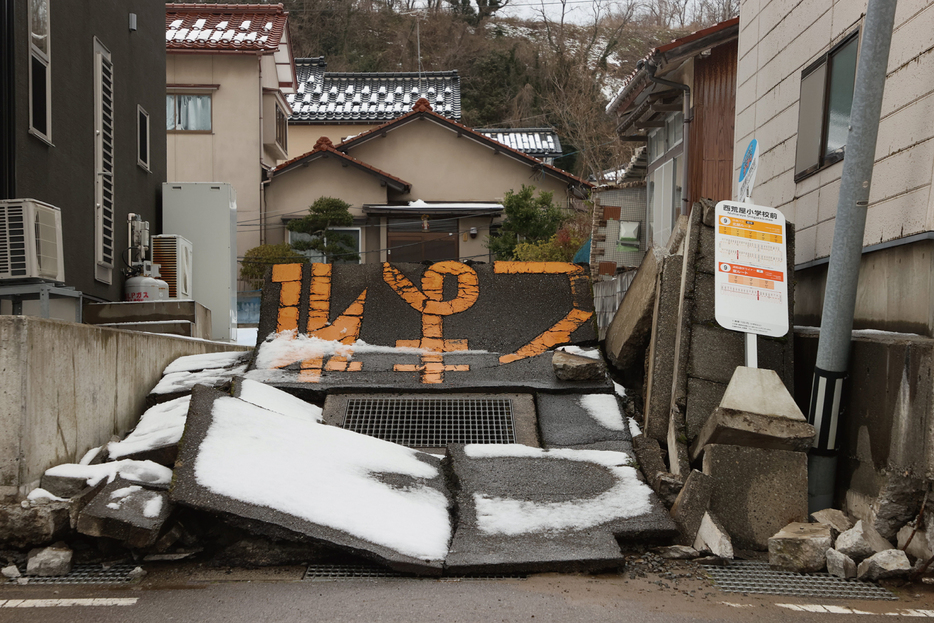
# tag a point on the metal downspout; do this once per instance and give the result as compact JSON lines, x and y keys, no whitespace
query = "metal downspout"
{"x":651,"y":67}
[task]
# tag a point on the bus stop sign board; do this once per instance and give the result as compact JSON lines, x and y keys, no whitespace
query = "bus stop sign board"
{"x":751,"y":270}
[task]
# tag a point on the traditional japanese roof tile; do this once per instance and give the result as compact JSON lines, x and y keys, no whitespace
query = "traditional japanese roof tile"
{"x":324,"y":148}
{"x":538,"y":142}
{"x":225,"y":27}
{"x":368,"y":97}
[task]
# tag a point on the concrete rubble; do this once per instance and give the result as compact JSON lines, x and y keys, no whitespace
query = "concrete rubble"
{"x":834,"y":518}
{"x":861,"y":541}
{"x":126,"y":511}
{"x":840,"y":564}
{"x":890,"y":563}
{"x":800,"y":547}
{"x":712,"y":538}
{"x":49,"y":561}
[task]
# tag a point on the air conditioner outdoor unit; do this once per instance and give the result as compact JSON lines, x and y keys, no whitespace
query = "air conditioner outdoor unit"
{"x":30,"y":241}
{"x":173,"y":254}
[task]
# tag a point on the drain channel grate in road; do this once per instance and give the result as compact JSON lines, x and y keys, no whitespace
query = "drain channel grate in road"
{"x":432,"y":422}
{"x":328,"y":573}
{"x":87,"y":574}
{"x":744,"y":576}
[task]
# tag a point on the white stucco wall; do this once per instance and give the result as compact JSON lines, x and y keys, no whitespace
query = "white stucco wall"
{"x":777,"y":40}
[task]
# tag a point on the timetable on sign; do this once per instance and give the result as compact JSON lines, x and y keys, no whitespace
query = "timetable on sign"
{"x":751,"y":269}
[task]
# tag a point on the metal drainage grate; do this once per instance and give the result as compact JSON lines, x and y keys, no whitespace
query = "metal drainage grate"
{"x":745,"y":576}
{"x":87,"y":574}
{"x":432,"y":422}
{"x":329,"y":573}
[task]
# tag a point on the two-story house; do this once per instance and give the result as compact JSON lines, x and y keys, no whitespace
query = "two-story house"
{"x":229,"y":69}
{"x":81,"y":127}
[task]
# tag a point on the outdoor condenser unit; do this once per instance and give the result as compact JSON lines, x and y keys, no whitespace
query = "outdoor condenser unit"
{"x":30,"y":241}
{"x":173,"y":254}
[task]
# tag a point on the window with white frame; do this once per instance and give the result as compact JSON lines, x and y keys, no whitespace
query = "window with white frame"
{"x":142,"y":141}
{"x":103,"y":163}
{"x":827,"y":87}
{"x":40,"y":75}
{"x":188,"y":112}
{"x":282,"y":129}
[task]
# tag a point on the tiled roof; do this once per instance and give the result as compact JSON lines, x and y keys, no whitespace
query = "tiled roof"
{"x":224,"y":27}
{"x":538,"y":142}
{"x":328,"y":97}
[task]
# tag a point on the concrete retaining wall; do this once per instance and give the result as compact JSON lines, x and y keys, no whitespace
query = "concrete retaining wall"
{"x":66,"y":388}
{"x":888,"y":417}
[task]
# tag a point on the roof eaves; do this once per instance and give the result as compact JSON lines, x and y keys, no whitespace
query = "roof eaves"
{"x":322,"y":152}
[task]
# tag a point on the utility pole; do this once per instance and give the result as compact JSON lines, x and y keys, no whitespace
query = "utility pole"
{"x":833,"y":350}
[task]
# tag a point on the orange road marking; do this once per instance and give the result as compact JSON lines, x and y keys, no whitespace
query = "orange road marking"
{"x":558,"y":334}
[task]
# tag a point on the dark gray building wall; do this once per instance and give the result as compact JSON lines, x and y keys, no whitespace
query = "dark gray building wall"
{"x":62,"y":174}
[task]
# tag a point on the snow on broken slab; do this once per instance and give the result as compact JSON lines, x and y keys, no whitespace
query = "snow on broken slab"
{"x":325,"y":482}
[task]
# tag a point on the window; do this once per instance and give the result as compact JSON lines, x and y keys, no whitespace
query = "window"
{"x":103,"y":163}
{"x":40,"y":78}
{"x":824,"y":109}
{"x":142,"y":132}
{"x":188,"y":112}
{"x":282,"y":129}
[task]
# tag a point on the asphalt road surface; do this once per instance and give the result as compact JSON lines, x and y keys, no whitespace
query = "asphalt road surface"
{"x":192,"y":593}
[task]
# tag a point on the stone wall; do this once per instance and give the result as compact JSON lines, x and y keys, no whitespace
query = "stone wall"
{"x":66,"y":388}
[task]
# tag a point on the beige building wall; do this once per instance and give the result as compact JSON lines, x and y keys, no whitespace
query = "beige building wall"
{"x":777,"y":41}
{"x":292,"y":193}
{"x":233,"y":150}
{"x":303,"y":136}
{"x":442,"y":167}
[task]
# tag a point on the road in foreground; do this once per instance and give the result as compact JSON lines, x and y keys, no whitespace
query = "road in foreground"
{"x":278,"y":594}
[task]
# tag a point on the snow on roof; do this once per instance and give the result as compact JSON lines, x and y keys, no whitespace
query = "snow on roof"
{"x":205,"y":27}
{"x":538,"y":142}
{"x":381,"y":105}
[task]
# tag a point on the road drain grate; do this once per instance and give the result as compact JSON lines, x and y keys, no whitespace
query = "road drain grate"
{"x":744,"y":576}
{"x":329,"y":573}
{"x":432,"y":422}
{"x":87,"y":574}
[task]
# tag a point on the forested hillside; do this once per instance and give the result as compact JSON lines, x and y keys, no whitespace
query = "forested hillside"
{"x":544,"y":71}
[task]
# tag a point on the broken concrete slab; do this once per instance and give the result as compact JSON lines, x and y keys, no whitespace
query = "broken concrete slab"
{"x":155,"y":438}
{"x":677,"y":552}
{"x":667,"y":487}
{"x":890,"y":563}
{"x":756,"y":492}
{"x":662,"y":348}
{"x":914,"y":542}
{"x":713,"y":538}
{"x":840,"y":565}
{"x":649,"y":457}
{"x":10,"y":572}
{"x":327,"y":329}
{"x":800,"y":547}
{"x":836,"y":519}
{"x":25,"y":524}
{"x":527,"y":509}
{"x":362,"y":494}
{"x":897,"y":503}
{"x":569,"y":367}
{"x":691,"y":505}
{"x":49,"y":561}
{"x":756,"y":411}
{"x":678,"y":461}
{"x":273,"y":399}
{"x":861,"y":541}
{"x":127,"y":512}
{"x":630,"y":330}
{"x":580,"y":419}
{"x":148,"y":473}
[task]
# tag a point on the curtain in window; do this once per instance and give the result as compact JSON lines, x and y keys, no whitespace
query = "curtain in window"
{"x":194,"y":112}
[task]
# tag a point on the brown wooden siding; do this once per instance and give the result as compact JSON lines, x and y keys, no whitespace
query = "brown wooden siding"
{"x":711,"y":139}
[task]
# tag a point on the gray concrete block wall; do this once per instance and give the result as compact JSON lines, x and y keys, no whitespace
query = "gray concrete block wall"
{"x":66,"y":388}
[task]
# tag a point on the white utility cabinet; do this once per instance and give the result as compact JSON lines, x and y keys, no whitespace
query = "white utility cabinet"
{"x":205,"y":213}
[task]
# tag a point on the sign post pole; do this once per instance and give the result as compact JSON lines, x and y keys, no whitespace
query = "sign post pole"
{"x":747,"y":178}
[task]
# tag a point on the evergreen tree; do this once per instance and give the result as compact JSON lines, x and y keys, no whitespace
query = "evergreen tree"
{"x":529,"y":219}
{"x":325,"y":214}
